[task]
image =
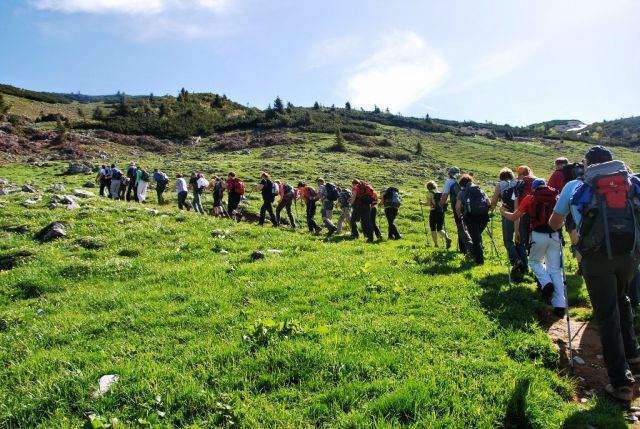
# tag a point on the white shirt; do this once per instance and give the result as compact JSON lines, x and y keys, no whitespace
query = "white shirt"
{"x":182,"y":185}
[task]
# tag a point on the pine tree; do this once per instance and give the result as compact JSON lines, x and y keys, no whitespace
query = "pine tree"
{"x":333,"y":107}
{"x":123,"y":107}
{"x":98,"y":113}
{"x":278,"y":105}
{"x":347,"y":106}
{"x":289,"y":108}
{"x":339,"y":145}
{"x":216,"y":103}
{"x":80,"y":112}
{"x":183,"y":96}
{"x":61,"y":129}
{"x":419,"y":148}
{"x":376,"y":109}
{"x":316,"y":106}
{"x":4,"y":107}
{"x":427,"y":119}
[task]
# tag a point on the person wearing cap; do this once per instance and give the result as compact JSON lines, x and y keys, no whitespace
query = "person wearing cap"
{"x":132,"y":172}
{"x":608,"y":286}
{"x":557,"y":179}
{"x":326,"y":207}
{"x":545,"y":254}
{"x":450,"y":192}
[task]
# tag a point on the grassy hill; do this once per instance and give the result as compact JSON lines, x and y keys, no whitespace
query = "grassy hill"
{"x":322,"y":332}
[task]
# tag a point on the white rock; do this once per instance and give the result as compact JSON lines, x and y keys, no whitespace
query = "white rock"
{"x":104,"y":384}
{"x":32,"y":201}
{"x":224,"y":252}
{"x":40,"y":312}
{"x":274,"y":251}
{"x":578,"y":360}
{"x":58,"y":187}
{"x":632,"y":418}
{"x":152,"y":211}
{"x":82,"y":193}
{"x":599,"y":357}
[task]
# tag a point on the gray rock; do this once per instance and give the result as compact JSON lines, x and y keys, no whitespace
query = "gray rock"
{"x":67,"y":201}
{"x":76,"y":168}
{"x":82,"y":193}
{"x":104,"y":384}
{"x":58,"y":187}
{"x":152,"y":211}
{"x":51,"y":232}
{"x":578,"y":360}
{"x":40,"y":312}
{"x":31,"y":201}
{"x":4,"y":182}
{"x":257,"y":255}
{"x":4,"y":191}
{"x":29,"y":188}
{"x":89,"y":185}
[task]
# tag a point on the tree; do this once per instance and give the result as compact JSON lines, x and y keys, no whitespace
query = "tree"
{"x":98,"y":113}
{"x":61,"y":129}
{"x":347,"y":106}
{"x":80,"y":112}
{"x":419,"y":148}
{"x":164,"y":110}
{"x":339,"y":145}
{"x":278,"y":105}
{"x":270,"y":113}
{"x":217,"y":103}
{"x":183,"y":96}
{"x":508,"y":135}
{"x":427,"y":119}
{"x":376,"y":109}
{"x":289,"y":107}
{"x":123,"y":106}
{"x":4,"y":107}
{"x":316,"y":106}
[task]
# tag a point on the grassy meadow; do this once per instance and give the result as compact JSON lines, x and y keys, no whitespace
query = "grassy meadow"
{"x":322,"y":332}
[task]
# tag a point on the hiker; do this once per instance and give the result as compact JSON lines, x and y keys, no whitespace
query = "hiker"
{"x":198,"y":185}
{"x":309,"y":197}
{"x":183,"y":193}
{"x":374,"y":223}
{"x":362,"y":197}
{"x":327,"y":195}
{"x":269,"y":190}
{"x":142,"y":179}
{"x":545,"y":256}
{"x":516,"y":251}
{"x":436,"y":214}
{"x":288,"y":195}
{"x":124,"y":183}
{"x":521,"y":226}
{"x":218,"y":194}
{"x":102,"y":179}
{"x":132,"y":172}
{"x":607,"y":243}
{"x":450,"y":192}
{"x":162,"y":180}
{"x":235,"y":190}
{"x":473,"y":206}
{"x":345,"y":207}
{"x":115,"y":177}
{"x":391,"y":202}
{"x":558,"y":179}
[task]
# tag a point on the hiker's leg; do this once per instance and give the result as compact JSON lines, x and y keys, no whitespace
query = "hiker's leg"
{"x":365,"y":220}
{"x":353,"y":222}
{"x":539,"y":244}
{"x":292,"y":220}
{"x":507,"y":240}
{"x":279,"y":208}
{"x":340,"y":220}
{"x":634,"y":289}
{"x":374,"y":223}
{"x":115,"y":189}
{"x":525,"y":237}
{"x":602,"y":285}
{"x":433,"y":226}
{"x":553,"y":262}
{"x":474,"y":226}
{"x":263,"y":212}
{"x":270,"y":211}
{"x":390,"y":213}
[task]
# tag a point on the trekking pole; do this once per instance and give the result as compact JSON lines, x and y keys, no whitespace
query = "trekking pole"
{"x":566,"y":298}
{"x":424,"y":223}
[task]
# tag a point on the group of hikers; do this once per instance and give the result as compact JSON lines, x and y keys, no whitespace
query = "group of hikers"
{"x":358,"y":203}
{"x":596,"y":201}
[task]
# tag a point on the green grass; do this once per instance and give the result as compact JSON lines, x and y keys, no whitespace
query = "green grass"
{"x":384,"y":335}
{"x":34,"y":109}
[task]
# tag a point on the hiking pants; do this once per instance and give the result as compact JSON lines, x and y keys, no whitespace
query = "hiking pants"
{"x":285,"y":204}
{"x":233,"y":203}
{"x":391,"y":213}
{"x":142,"y":191}
{"x":131,"y":187}
{"x":608,"y":286}
{"x":525,"y":235}
{"x":267,"y":206}
{"x":197,"y":204}
{"x":311,"y":212}
{"x":362,"y":213}
{"x":122,"y":190}
{"x":464,"y":239}
{"x":160,"y":187}
{"x":634,"y":289}
{"x":515,"y":250}
{"x":115,"y":189}
{"x":345,"y":216}
{"x":104,"y":185}
{"x":476,"y":225}
{"x":326,"y":212}
{"x":374,"y":225}
{"x":182,"y":200}
{"x":545,"y":259}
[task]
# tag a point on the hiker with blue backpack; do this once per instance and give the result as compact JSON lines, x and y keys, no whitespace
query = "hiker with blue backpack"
{"x":162,"y":180}
{"x":269,"y":190}
{"x":288,"y":195}
{"x":605,"y":207}
{"x":345,"y":209}
{"x":327,"y":195}
{"x":472,"y":206}
{"x":115,"y":177}
{"x":450,"y":192}
{"x":391,"y":202}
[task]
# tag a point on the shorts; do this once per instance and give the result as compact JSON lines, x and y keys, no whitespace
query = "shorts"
{"x":436,"y":220}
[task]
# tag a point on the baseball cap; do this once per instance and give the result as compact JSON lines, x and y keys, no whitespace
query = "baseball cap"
{"x":454,"y":171}
{"x":538,"y":182}
{"x":597,"y":155}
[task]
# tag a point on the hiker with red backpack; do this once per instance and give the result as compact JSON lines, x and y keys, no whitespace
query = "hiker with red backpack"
{"x":309,"y":197}
{"x":521,"y":225}
{"x":545,"y":257}
{"x":363,"y":195}
{"x":558,"y":177}
{"x":269,"y":190}
{"x":472,"y":206}
{"x":288,"y":195}
{"x":328,"y":194}
{"x":450,"y":192}
{"x":235,"y":189}
{"x":604,"y":206}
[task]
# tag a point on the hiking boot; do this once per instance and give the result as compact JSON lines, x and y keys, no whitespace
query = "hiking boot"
{"x":449,"y":241}
{"x":318,"y":229}
{"x":547,"y":290}
{"x":332,"y":231}
{"x":622,"y":393}
{"x":559,"y":312}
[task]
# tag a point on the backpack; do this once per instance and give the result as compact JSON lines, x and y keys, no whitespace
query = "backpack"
{"x":116,"y":174}
{"x":331,"y":191}
{"x":289,"y":192}
{"x":476,"y":202}
{"x":144,"y":176}
{"x":366,"y":193}
{"x":524,"y":187}
{"x":164,"y":179}
{"x":454,"y":190}
{"x":238,"y":187}
{"x":275,"y":190}
{"x":392,"y":198}
{"x":572,"y":171}
{"x":345,"y":197}
{"x":608,"y":200}
{"x":435,"y":201}
{"x":202,"y":184}
{"x":541,"y":208}
{"x":312,"y":195}
{"x":506,"y":197}
{"x":131,"y":172}
{"x":218,"y":189}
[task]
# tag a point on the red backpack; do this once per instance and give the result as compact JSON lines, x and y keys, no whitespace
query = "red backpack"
{"x":366,"y":192}
{"x":238,"y":186}
{"x":541,"y":208}
{"x":524,"y":187}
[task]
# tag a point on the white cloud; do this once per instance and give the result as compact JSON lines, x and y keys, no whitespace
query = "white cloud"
{"x":401,"y":72}
{"x":129,"y":7}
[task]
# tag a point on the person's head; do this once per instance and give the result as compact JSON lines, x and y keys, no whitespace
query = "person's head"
{"x":155,"y":170}
{"x":141,"y":168}
{"x":453,"y":172}
{"x":113,"y":166}
{"x":179,"y":176}
{"x":432,"y":185}
{"x":231,"y":175}
{"x":301,"y":185}
{"x":538,"y":182}
{"x":193,"y":175}
{"x":524,"y":171}
{"x":278,"y":182}
{"x":560,"y":162}
{"x":265,"y":175}
{"x":465,"y":180}
{"x":383,"y":190}
{"x":506,"y":174}
{"x":103,"y":166}
{"x":320,"y":181}
{"x":597,"y":155}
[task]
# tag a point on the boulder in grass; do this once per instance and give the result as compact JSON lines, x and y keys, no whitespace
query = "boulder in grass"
{"x":82,"y":193}
{"x":77,"y":168}
{"x":66,"y":201}
{"x":104,"y":384}
{"x":51,"y":232}
{"x":257,"y":255}
{"x":89,"y":185}
{"x":4,"y":182}
{"x":153,"y":212}
{"x":28,"y":188}
{"x":31,"y":201}
{"x":58,"y":187}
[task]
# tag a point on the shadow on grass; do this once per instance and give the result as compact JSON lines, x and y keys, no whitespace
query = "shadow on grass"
{"x":443,"y":263}
{"x":516,"y":415}
{"x":603,"y":415}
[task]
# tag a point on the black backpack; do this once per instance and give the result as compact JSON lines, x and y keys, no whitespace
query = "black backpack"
{"x":392,"y":198}
{"x":144,"y":176}
{"x":476,"y":202}
{"x":345,"y":197}
{"x":116,"y":174}
{"x":436,"y":197}
{"x":506,"y":197}
{"x":331,"y":192}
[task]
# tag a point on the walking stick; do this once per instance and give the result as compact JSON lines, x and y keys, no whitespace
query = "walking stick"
{"x":566,"y":298}
{"x":424,"y":223}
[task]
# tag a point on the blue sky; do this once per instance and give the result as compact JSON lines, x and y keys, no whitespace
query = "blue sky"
{"x":505,"y":61}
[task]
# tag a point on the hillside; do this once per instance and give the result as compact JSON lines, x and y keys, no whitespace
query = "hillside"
{"x":321,"y":332}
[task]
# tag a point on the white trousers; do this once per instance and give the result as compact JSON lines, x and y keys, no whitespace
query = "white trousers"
{"x":142,"y":190}
{"x":545,"y":260}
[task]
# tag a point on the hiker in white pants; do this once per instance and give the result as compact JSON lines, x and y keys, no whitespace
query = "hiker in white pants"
{"x":345,"y":216}
{"x":545,"y":259}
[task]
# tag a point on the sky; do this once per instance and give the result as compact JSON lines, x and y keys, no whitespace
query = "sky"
{"x":505,"y":61}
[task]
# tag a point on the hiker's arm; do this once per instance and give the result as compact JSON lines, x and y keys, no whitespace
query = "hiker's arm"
{"x":556,"y":221}
{"x":495,"y":197}
{"x":510,"y":216}
{"x":443,"y":200}
{"x":459,"y":208}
